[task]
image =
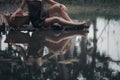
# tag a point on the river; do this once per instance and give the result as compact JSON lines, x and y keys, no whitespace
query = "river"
{"x":108,"y":37}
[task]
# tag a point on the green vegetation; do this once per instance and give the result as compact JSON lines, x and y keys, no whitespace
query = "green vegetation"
{"x":9,"y":1}
{"x":86,"y":16}
{"x":90,"y":8}
{"x":91,"y":12}
{"x":92,"y":2}
{"x":78,"y":2}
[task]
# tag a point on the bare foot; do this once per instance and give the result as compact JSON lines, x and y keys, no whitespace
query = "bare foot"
{"x":85,"y":24}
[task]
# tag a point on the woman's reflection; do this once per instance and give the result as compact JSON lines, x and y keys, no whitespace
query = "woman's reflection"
{"x":57,"y":45}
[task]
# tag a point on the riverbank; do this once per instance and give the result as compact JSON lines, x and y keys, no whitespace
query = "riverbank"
{"x":72,"y":9}
{"x":91,"y":12}
{"x":77,"y":12}
{"x":94,"y":9}
{"x":9,"y":8}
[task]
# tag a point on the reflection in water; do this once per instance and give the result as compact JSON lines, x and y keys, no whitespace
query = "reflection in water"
{"x":41,"y":55}
{"x":108,"y":40}
{"x":110,"y":37}
{"x":61,"y":55}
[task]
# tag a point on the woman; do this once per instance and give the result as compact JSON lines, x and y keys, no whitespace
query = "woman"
{"x":39,"y":17}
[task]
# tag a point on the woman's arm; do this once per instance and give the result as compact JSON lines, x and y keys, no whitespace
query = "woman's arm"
{"x":52,"y":2}
{"x":20,"y":8}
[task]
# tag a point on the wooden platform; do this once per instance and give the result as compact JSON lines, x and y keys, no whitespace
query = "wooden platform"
{"x":29,"y":27}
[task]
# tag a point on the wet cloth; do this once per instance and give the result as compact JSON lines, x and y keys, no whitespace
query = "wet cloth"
{"x":36,"y":12}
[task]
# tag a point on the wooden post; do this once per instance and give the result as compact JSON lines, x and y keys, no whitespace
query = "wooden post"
{"x":82,"y":59}
{"x":63,"y":70}
{"x":95,"y":47}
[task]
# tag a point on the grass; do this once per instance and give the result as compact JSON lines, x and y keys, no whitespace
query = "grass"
{"x":79,"y":11}
{"x":84,"y":12}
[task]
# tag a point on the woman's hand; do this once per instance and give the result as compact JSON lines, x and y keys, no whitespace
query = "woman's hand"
{"x":16,"y":14}
{"x":12,"y":17}
{"x":19,"y":10}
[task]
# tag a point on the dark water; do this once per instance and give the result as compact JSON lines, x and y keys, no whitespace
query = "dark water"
{"x":59,"y":55}
{"x":40,"y":54}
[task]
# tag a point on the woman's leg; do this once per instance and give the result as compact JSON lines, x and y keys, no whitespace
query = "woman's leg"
{"x":60,"y":10}
{"x":63,"y":22}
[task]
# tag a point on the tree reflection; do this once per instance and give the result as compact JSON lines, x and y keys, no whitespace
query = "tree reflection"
{"x":33,"y":62}
{"x":47,"y":55}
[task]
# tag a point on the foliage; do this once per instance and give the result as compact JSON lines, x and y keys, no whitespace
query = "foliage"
{"x":10,"y":1}
{"x":90,"y":1}
{"x":77,"y":2}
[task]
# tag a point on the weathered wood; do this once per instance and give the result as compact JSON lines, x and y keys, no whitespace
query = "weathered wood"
{"x":17,"y":37}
